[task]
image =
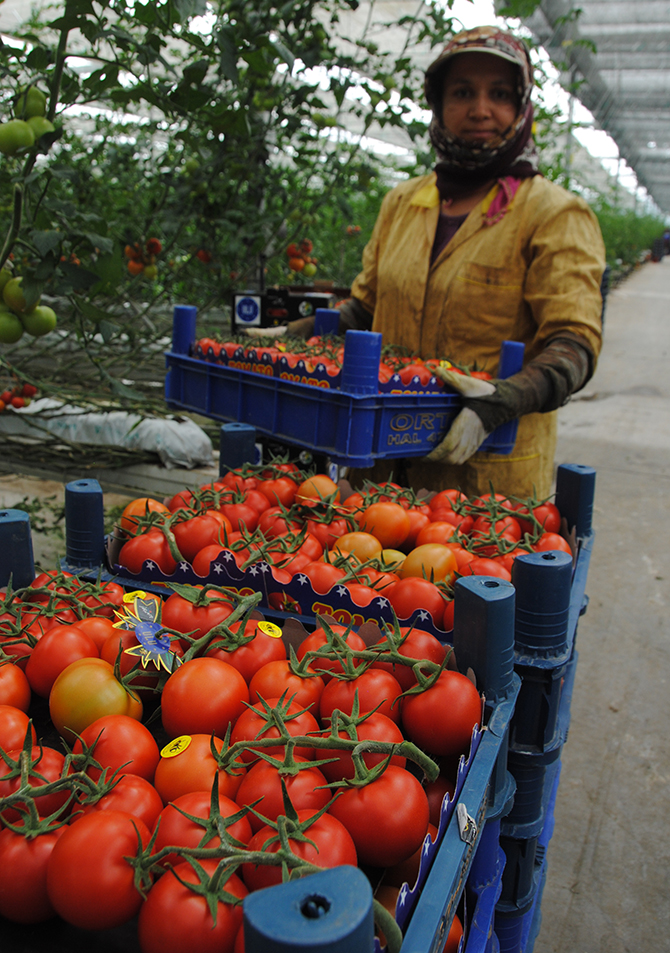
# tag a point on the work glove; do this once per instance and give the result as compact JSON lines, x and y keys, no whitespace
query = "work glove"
{"x":545,"y":384}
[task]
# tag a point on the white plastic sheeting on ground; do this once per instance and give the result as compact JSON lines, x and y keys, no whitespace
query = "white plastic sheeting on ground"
{"x":179,"y":442}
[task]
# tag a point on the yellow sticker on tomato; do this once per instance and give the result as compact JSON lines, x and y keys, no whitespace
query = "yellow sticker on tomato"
{"x":176,"y":746}
{"x":269,"y":628}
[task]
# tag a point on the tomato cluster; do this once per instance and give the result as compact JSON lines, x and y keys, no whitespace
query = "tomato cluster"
{"x":142,"y":260}
{"x":18,"y":396}
{"x":318,"y":361}
{"x":380,"y":542}
{"x":268,"y":758}
{"x":300,"y":258}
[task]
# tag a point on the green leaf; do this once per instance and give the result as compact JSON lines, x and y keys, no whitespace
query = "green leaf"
{"x":283,"y":51}
{"x":97,"y":315}
{"x":228,"y":58}
{"x":108,"y":330}
{"x":32,"y":290}
{"x":38,"y":58}
{"x":196,"y":72}
{"x":111,"y":270}
{"x":99,"y":241}
{"x":79,"y":278}
{"x":46,"y":241}
{"x":186,"y":9}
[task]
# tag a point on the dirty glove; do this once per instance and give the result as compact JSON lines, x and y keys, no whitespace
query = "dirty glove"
{"x":277,"y":332}
{"x":545,"y":384}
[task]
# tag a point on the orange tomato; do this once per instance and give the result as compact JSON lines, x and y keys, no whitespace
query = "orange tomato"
{"x":138,"y":508}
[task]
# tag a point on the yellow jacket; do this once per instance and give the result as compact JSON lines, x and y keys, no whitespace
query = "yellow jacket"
{"x":529,"y":276}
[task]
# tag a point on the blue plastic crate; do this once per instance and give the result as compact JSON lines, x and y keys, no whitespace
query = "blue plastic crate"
{"x":353,"y":426}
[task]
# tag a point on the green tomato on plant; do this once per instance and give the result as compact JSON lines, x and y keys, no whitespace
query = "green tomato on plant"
{"x":31,"y":103}
{"x":13,"y":296}
{"x":14,"y":135}
{"x":40,"y":126}
{"x":11,"y":328}
{"x":41,"y":320}
{"x":5,"y":276}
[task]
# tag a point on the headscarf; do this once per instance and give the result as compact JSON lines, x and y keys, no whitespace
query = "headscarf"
{"x":463,"y":166}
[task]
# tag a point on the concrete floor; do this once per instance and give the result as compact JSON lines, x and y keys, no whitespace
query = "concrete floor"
{"x":608,"y":885}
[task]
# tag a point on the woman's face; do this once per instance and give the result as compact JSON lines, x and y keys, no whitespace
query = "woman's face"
{"x":479,"y":96}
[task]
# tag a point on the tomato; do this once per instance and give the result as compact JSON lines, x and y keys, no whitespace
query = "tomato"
{"x":131,"y":794}
{"x":121,"y":743}
{"x":202,"y":696}
{"x":407,"y":871}
{"x":98,"y":628}
{"x":273,"y":523}
{"x":193,"y":768}
{"x":279,"y":491}
{"x":323,"y":576}
{"x":173,"y":828}
{"x":376,"y":727}
{"x":251,"y":656}
{"x":195,"y":618}
{"x":319,"y":638}
{"x":14,"y":686}
{"x":23,"y":875}
{"x":481,"y":566}
{"x":13,"y":727}
{"x":388,"y":522}
{"x":446,"y":499}
{"x":46,"y":766}
{"x":105,"y":602}
{"x":316,"y":488}
{"x":195,"y":533}
{"x":182,"y":500}
{"x":417,"y":520}
{"x":412,"y":594}
{"x":254,"y":723}
{"x":137,"y":510}
{"x":148,"y":547}
{"x":552,"y":541}
{"x":327,"y":531}
{"x":85,"y":691}
{"x":417,"y":644}
{"x":417,"y":371}
{"x":275,"y":678}
{"x":53,"y":579}
{"x":436,"y":791}
{"x":363,"y":545}
{"x":174,"y":918}
{"x":57,"y":648}
{"x":438,"y":531}
{"x":241,"y":514}
{"x":383,"y":836}
{"x":433,"y":561}
{"x":462,"y":523}
{"x":440,"y":720}
{"x":329,"y":845}
{"x":376,"y":689}
{"x":262,"y":783}
{"x":483,"y":526}
{"x":547,"y":515}
{"x":89,"y":882}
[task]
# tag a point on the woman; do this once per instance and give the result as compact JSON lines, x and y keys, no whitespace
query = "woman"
{"x":481,"y":251}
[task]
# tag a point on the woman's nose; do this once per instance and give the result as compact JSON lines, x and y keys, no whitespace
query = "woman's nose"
{"x":480,"y":105}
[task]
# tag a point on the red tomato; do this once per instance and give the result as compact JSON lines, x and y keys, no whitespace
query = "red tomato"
{"x":481,"y":566}
{"x":438,"y":531}
{"x":417,"y":520}
{"x":175,"y":829}
{"x":435,"y":792}
{"x":193,"y":768}
{"x":131,"y":794}
{"x":329,"y":845}
{"x":323,"y":576}
{"x":376,"y":689}
{"x":279,"y":491}
{"x":262,"y":783}
{"x":462,"y":523}
{"x":195,"y":618}
{"x":440,"y":720}
{"x":251,"y":656}
{"x":107,"y":600}
{"x":241,"y":514}
{"x":446,"y":499}
{"x":199,"y":531}
{"x":149,"y":547}
{"x":275,"y":678}
{"x":547,"y":515}
{"x":385,"y":837}
{"x":46,"y":765}
{"x":14,"y":686}
{"x":57,"y":648}
{"x":99,"y":628}
{"x":121,"y":743}
{"x":417,"y":644}
{"x":89,"y":882}
{"x":552,"y":541}
{"x":376,"y":727}
{"x":202,"y":696}
{"x":319,"y":638}
{"x":483,"y":526}
{"x":412,"y":594}
{"x":138,"y":510}
{"x":23,"y":875}
{"x":13,"y":727}
{"x":254,"y":723}
{"x":327,"y":531}
{"x":87,"y":690}
{"x":175,"y":918}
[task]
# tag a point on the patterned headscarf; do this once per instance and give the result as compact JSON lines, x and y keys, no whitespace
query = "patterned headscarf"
{"x":463,"y":166}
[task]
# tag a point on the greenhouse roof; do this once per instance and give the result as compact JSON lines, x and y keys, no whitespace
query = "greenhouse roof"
{"x":618,"y":51}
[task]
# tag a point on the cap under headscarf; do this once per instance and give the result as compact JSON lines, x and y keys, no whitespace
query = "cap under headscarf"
{"x":464,"y":166}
